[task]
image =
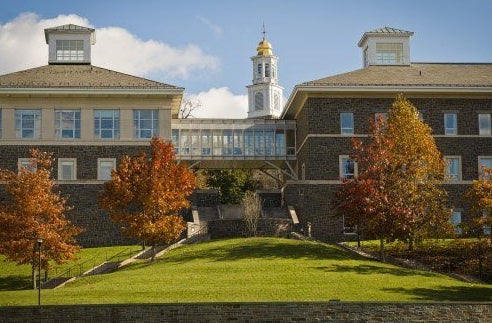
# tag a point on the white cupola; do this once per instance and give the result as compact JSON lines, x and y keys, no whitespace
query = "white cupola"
{"x":264,"y":95}
{"x":69,"y":44}
{"x":386,"y":46}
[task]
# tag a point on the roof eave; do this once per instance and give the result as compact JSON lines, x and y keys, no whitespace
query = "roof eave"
{"x":301,"y":92}
{"x":90,"y":91}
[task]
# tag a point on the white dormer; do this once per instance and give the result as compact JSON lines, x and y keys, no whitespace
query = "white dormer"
{"x":69,"y":44}
{"x":386,"y":46}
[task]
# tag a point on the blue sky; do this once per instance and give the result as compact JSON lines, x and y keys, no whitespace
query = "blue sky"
{"x":205,"y":46}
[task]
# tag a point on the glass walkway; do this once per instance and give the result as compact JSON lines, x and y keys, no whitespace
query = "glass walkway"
{"x":235,"y":143}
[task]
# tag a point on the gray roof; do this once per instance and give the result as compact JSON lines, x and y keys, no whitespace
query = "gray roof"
{"x":416,"y":74}
{"x":384,"y":31}
{"x":77,"y":76}
{"x":67,"y":28}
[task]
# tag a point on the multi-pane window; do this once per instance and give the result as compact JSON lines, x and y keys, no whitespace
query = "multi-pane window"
{"x":69,"y":50}
{"x":453,"y":168}
{"x":259,"y":70}
{"x":456,"y":221}
{"x":484,"y":124}
{"x":348,"y":167}
{"x":67,"y":124}
{"x":104,"y":168}
{"x":28,"y":123}
{"x":484,"y":162}
{"x":450,"y":124}
{"x":145,"y":124}
{"x":249,"y":143}
{"x":67,"y":169}
{"x":389,"y":53}
{"x":107,"y":124}
{"x":267,"y":70}
{"x":206,"y":142}
{"x":26,"y":163}
{"x":347,"y":123}
{"x":175,"y":140}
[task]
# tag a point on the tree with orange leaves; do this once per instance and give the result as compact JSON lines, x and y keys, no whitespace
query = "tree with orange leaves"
{"x":146,"y":193}
{"x":480,"y":197}
{"x":34,"y":210}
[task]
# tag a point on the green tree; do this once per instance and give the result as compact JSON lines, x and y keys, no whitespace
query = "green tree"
{"x":231,"y":184}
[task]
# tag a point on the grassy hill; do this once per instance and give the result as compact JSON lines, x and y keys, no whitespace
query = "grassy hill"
{"x":256,"y":269}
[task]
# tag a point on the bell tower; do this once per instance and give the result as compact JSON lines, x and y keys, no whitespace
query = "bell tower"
{"x":264,"y":95}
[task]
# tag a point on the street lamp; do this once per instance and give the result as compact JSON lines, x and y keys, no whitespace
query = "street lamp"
{"x":39,"y":242}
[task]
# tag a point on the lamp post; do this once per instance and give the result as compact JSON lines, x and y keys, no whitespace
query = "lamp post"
{"x":39,"y":242}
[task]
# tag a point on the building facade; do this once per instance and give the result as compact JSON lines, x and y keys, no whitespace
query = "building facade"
{"x":90,"y":117}
{"x":455,"y":100}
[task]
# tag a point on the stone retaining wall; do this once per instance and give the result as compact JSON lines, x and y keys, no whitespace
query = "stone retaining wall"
{"x":254,"y":312}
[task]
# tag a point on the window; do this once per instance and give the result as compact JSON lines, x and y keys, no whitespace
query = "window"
{"x":238,"y":142}
{"x":484,"y":124}
{"x":484,"y":162}
{"x":145,"y":124}
{"x":104,"y":167}
{"x":67,"y":124}
{"x":348,"y":227}
{"x":450,"y":124}
{"x":259,"y":101}
{"x":175,"y":140}
{"x":67,"y":169}
{"x":279,"y":143}
{"x":456,"y":221}
{"x":453,"y":168}
{"x":347,"y":123}
{"x":26,"y":163}
{"x":383,"y":116}
{"x":487,"y":229}
{"x":259,"y":70}
{"x":107,"y":124}
{"x":366,"y":63}
{"x":69,"y":50}
{"x":28,"y":123}
{"x":249,"y":143}
{"x":348,"y":167}
{"x":206,"y":142}
{"x":267,"y":70}
{"x":389,"y":53}
{"x":303,"y":171}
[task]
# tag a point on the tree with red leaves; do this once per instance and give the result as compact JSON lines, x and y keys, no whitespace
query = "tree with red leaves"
{"x":146,"y":193}
{"x":34,"y":210}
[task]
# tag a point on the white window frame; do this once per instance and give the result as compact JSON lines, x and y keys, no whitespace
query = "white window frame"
{"x":389,"y":53}
{"x":69,"y":50}
{"x":99,"y":168}
{"x":480,"y":175}
{"x":342,"y":174}
{"x":451,"y":130}
{"x":75,"y":121}
{"x":459,"y":174}
{"x":25,"y":163}
{"x":60,"y":169}
{"x":19,"y":119}
{"x":137,"y":119}
{"x":344,"y":129}
{"x":456,"y":214}
{"x":486,"y":131}
{"x":98,"y":124}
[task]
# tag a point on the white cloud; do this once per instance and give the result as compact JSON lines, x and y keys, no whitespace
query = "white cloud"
{"x":215,"y":28}
{"x":23,"y":46}
{"x":220,"y":103}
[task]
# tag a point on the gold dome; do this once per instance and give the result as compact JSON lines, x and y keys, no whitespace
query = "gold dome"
{"x":264,"y":48}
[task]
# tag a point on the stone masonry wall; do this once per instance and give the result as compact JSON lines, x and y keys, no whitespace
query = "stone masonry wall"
{"x":254,"y":312}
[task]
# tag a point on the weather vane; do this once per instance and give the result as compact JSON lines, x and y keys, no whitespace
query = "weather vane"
{"x":264,"y":31}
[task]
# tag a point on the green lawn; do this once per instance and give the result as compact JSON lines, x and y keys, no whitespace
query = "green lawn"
{"x":256,"y":269}
{"x":14,"y":277}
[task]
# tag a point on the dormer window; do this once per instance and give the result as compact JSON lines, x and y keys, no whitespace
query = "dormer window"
{"x":69,"y":50}
{"x":389,"y":53}
{"x":69,"y":44}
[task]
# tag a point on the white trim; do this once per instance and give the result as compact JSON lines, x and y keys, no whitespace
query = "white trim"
{"x":60,"y":168}
{"x":99,"y":160}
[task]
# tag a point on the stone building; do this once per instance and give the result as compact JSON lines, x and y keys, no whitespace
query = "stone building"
{"x":90,"y":117}
{"x":455,"y":99}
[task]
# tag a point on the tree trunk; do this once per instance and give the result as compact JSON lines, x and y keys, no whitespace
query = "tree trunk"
{"x":153,"y":252}
{"x":381,"y":250}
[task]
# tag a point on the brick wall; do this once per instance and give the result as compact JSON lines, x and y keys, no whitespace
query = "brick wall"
{"x":254,"y":312}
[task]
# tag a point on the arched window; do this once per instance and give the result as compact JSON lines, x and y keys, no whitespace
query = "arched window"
{"x":259,"y":101}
